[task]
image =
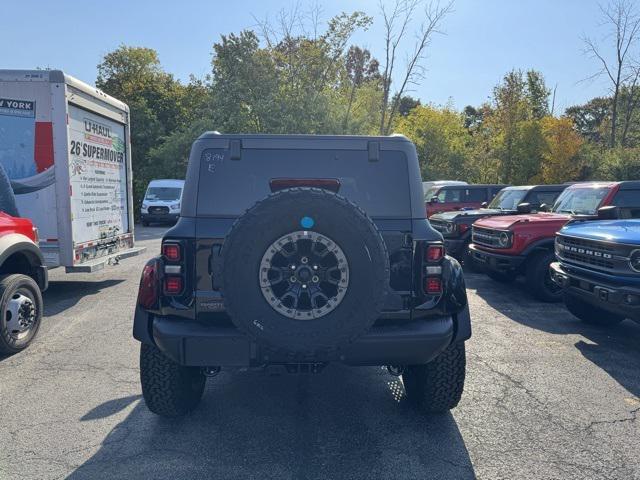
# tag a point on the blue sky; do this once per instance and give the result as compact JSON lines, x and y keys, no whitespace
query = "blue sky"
{"x":483,"y":40}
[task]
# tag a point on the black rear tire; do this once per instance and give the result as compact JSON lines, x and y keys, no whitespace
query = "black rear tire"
{"x":538,"y":276}
{"x":169,"y":389}
{"x":10,"y":286}
{"x":589,"y":313}
{"x":437,"y":386}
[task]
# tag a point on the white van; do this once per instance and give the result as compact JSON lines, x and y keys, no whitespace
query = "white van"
{"x":162,"y":201}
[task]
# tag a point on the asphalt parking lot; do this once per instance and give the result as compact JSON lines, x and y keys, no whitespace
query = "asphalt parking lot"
{"x":546,"y":397}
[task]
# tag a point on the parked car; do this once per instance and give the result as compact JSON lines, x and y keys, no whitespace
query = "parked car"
{"x":598,"y":267}
{"x":455,"y":226}
{"x":514,"y":245}
{"x":300,"y":267}
{"x":23,"y":275}
{"x":457,"y":197}
{"x":161,"y":202}
{"x":426,"y":186}
{"x":65,"y":147}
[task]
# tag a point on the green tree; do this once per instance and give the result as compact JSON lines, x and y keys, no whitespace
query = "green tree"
{"x":441,"y":139}
{"x":158,"y":104}
{"x":560,"y":161}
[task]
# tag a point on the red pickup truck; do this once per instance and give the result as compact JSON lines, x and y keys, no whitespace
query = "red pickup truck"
{"x":514,"y":245}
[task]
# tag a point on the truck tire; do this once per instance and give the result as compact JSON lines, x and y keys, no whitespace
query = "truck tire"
{"x":169,"y":389}
{"x":269,"y":263}
{"x":538,"y":277}
{"x":437,"y":386}
{"x":7,"y":197}
{"x":21,"y":312}
{"x":590,"y":313}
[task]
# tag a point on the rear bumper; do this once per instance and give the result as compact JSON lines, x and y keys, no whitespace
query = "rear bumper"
{"x":194,"y":343}
{"x":495,"y":261}
{"x":617,"y":299}
{"x":160,"y":217}
{"x":99,"y":263}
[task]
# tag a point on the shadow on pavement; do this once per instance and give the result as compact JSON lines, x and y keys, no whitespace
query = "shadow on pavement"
{"x":342,"y":423}
{"x":151,"y":232}
{"x":616,"y":350}
{"x":64,"y":294}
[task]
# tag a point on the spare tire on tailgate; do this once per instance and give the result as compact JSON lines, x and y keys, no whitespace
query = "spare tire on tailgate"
{"x":304,"y":271}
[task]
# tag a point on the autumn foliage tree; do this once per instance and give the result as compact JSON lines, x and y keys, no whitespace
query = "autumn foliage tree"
{"x":560,"y":157}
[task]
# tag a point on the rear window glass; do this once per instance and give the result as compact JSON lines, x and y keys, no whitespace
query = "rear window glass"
{"x":448,"y":195}
{"x":627,"y":198}
{"x":229,"y":187}
{"x":476,"y":195}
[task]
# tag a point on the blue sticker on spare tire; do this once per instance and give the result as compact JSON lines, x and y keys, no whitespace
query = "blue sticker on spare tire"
{"x":307,"y":222}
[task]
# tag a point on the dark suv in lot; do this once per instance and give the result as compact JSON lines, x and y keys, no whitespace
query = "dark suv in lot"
{"x":284,"y":259}
{"x":455,"y":227}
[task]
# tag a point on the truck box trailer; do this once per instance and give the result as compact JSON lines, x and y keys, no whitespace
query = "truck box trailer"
{"x":65,"y":146}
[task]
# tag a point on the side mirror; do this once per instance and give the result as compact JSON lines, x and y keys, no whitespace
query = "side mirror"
{"x":609,"y":212}
{"x":434,"y":200}
{"x":523,"y":208}
{"x":484,"y":204}
{"x":544,"y":208}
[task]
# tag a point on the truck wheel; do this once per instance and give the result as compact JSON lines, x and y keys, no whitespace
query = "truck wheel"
{"x":169,"y":389}
{"x":437,"y":386}
{"x":21,"y":312}
{"x":589,"y":313}
{"x":304,"y":271}
{"x":539,"y":281}
{"x":502,"y":277}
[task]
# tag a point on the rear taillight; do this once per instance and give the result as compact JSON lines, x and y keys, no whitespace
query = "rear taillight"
{"x":172,"y":285}
{"x":433,"y":285}
{"x":173,"y":280}
{"x":431,"y":277}
{"x":434,"y":253}
{"x":171,"y":251}
{"x":148,"y":291}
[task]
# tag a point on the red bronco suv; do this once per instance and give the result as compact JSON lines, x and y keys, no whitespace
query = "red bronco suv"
{"x":446,"y":198}
{"x":23,"y":275}
{"x":513,"y":245}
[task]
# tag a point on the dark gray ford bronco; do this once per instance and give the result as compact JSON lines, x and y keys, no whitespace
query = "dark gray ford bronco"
{"x":295,"y":251}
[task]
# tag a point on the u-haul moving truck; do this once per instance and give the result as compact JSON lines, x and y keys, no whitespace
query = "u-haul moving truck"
{"x":65,"y":147}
